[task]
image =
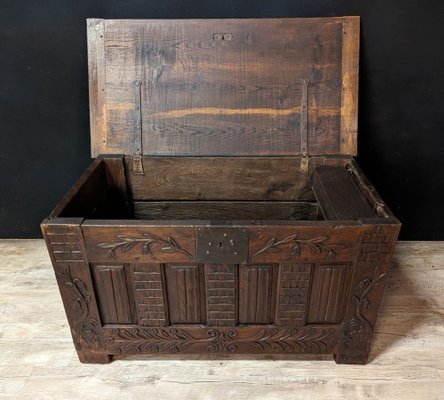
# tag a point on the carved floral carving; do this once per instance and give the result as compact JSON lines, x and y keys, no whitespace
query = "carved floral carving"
{"x":84,"y":326}
{"x":127,"y":243}
{"x":358,"y":329}
{"x":173,"y":340}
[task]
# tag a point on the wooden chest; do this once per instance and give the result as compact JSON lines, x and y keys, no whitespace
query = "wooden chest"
{"x":224,"y":212}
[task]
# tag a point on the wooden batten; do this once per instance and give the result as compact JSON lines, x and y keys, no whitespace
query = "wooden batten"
{"x":350,"y":84}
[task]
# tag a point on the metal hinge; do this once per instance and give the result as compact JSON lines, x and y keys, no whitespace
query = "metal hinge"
{"x":137,"y":154}
{"x":304,"y":129}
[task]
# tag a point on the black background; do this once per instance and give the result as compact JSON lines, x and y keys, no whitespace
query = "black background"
{"x":44,"y":140}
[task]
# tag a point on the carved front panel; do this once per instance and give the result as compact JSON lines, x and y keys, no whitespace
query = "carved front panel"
{"x":149,"y":294}
{"x":221,"y":292}
{"x":294,"y":284}
{"x":185,"y":293}
{"x":329,"y":293}
{"x":114,"y":294}
{"x":257,"y":293}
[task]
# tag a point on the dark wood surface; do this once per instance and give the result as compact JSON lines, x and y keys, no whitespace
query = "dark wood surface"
{"x":307,"y":286}
{"x":224,"y":87}
{"x":338,"y":195}
{"x":226,"y":210}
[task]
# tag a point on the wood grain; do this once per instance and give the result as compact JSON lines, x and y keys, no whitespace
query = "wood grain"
{"x":329,"y":294}
{"x":114,"y":294}
{"x":350,"y":83}
{"x":96,"y":73}
{"x":206,"y":96}
{"x":224,"y":178}
{"x":149,"y":293}
{"x":257,"y":288}
{"x":185,"y":294}
{"x":339,"y":197}
{"x":225,"y":210}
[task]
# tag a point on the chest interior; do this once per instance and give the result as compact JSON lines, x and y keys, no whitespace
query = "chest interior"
{"x":221,"y":189}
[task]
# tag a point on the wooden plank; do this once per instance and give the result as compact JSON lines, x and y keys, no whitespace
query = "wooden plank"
{"x":350,"y":83}
{"x":329,"y":294}
{"x":226,"y":87}
{"x":94,"y":169}
{"x":224,"y":210}
{"x":185,"y":299}
{"x":257,"y":291}
{"x":139,"y":244}
{"x":339,"y":196}
{"x":243,"y":178}
{"x":308,"y":243}
{"x":113,"y":295}
{"x":89,"y":198}
{"x":118,"y":202}
{"x":96,"y":73}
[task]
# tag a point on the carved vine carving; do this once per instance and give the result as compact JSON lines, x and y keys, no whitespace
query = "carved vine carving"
{"x":358,"y":329}
{"x":126,"y":243}
{"x":304,"y":340}
{"x":316,"y":245}
{"x":85,"y":326}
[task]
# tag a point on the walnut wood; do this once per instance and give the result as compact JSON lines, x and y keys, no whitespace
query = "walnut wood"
{"x":206,"y":96}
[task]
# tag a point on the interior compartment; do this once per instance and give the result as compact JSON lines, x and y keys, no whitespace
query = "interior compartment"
{"x":219,"y":188}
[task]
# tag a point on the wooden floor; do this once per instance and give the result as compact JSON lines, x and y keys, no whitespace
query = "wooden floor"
{"x":37,"y":358}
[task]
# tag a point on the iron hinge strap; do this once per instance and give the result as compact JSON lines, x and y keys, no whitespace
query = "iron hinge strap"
{"x":137,"y":154}
{"x":304,"y":126}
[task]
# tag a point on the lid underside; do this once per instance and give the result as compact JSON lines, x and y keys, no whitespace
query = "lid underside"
{"x":224,"y":87}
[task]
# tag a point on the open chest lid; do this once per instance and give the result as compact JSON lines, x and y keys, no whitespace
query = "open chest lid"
{"x":215,"y":87}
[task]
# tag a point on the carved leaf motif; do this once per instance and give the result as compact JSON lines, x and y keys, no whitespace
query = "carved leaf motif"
{"x":127,"y":243}
{"x":358,"y":329}
{"x":85,"y":325}
{"x":315,"y":245}
{"x":304,"y":340}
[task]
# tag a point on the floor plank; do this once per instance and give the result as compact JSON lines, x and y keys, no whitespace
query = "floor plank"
{"x":37,"y":359}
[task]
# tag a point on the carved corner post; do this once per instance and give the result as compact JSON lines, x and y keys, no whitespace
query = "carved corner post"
{"x":371,"y":272}
{"x":66,"y":247}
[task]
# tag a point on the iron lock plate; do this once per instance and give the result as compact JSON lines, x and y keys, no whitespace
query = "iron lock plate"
{"x":218,"y":245}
